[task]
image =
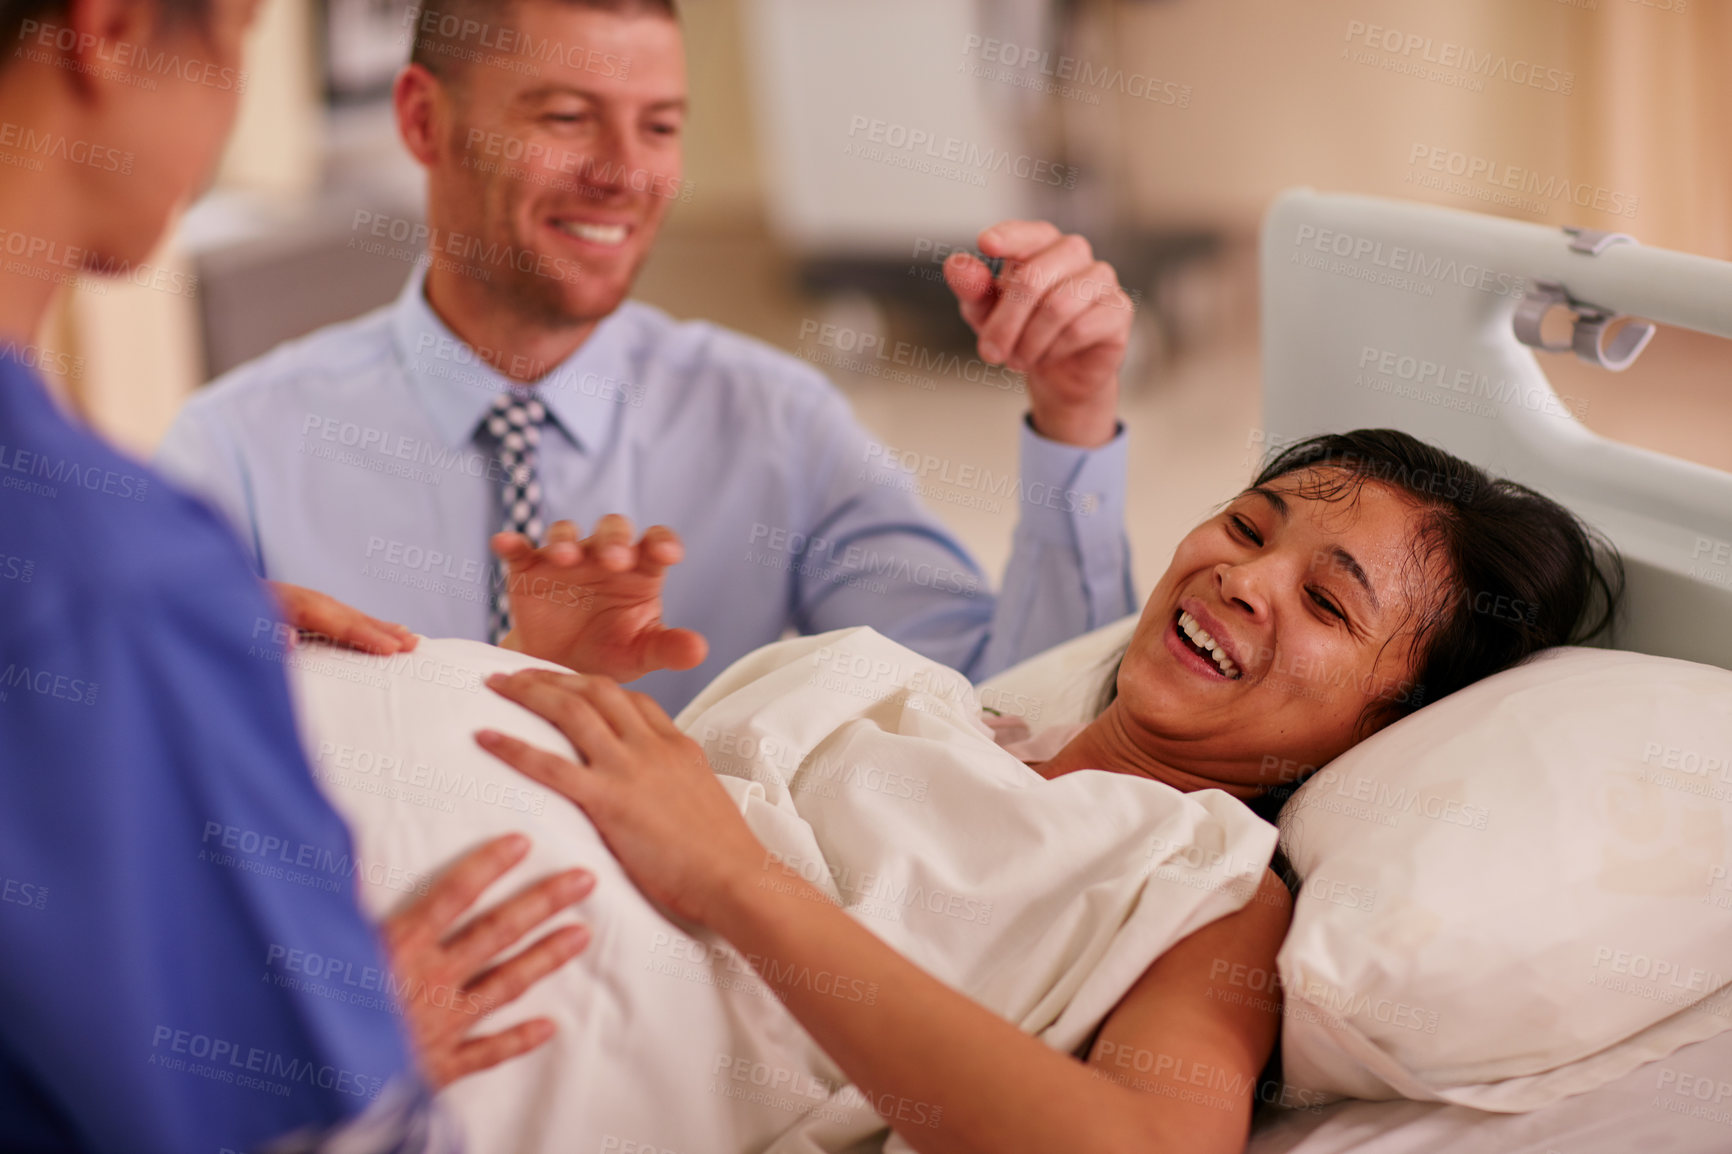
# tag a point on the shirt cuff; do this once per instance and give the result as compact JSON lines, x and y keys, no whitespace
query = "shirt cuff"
{"x":1075,"y":498}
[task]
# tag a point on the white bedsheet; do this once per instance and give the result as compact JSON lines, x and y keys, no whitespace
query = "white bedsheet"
{"x":865,"y":768}
{"x":1681,"y":1104}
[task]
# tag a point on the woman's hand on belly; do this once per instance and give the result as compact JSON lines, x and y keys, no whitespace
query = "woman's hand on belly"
{"x":647,"y":787}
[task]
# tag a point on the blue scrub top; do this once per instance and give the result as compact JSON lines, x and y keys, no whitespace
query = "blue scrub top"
{"x":167,"y":865}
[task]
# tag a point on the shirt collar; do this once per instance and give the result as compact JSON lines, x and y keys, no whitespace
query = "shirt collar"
{"x":457,"y":388}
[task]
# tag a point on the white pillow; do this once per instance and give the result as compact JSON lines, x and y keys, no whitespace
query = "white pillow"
{"x":1520,"y":892}
{"x":1063,"y":685}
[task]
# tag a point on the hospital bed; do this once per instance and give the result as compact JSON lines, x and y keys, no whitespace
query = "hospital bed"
{"x":1360,"y":297}
{"x":1380,"y":313}
{"x":1408,"y":317}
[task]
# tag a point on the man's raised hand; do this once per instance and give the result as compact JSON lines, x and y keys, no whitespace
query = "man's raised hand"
{"x":595,"y":605}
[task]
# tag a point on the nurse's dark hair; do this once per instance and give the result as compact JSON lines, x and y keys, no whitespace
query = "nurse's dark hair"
{"x":14,"y":13}
{"x":1521,"y":572}
{"x":449,"y":33}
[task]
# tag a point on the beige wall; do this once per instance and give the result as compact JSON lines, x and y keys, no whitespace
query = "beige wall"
{"x":721,"y":141}
{"x":1275,"y":104}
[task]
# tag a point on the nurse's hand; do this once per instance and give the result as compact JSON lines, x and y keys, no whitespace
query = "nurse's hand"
{"x":448,"y":982}
{"x":646,"y":786}
{"x":595,"y":606}
{"x":330,"y":620}
{"x":1055,"y":313}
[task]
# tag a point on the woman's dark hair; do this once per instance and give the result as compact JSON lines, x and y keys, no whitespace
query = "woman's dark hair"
{"x":1524,"y":572}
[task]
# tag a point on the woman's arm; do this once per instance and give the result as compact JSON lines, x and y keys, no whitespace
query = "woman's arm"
{"x":1174,"y":1067}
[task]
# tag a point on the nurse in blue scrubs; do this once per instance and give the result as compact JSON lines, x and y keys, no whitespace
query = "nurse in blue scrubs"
{"x":183,"y":966}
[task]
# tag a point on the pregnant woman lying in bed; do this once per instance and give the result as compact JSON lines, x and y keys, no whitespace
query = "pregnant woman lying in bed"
{"x":853,"y":911}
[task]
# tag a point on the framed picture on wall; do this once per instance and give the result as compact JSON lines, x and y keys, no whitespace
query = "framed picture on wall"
{"x":365,"y":43}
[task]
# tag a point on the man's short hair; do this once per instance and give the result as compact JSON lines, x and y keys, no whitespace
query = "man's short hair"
{"x":449,"y":34}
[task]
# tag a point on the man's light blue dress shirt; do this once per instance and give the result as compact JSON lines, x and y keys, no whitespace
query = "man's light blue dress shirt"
{"x":348,"y":462}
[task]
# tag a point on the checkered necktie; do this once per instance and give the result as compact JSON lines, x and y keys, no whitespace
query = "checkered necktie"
{"x":514,"y":424}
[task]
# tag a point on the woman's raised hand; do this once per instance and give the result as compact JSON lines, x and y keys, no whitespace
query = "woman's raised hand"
{"x":647,"y":787}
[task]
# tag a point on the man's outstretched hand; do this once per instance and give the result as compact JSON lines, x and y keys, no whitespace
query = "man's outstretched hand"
{"x":1055,"y":313}
{"x":595,"y":605}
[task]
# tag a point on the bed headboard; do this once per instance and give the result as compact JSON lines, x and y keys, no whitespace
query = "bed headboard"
{"x":1380,"y":313}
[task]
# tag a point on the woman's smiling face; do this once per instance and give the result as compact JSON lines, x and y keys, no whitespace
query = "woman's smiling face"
{"x":1279,"y":621}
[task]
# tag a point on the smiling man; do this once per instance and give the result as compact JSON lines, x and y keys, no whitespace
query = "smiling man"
{"x":512,"y":383}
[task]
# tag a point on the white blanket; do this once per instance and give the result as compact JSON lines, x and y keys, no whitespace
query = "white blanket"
{"x":865,"y":769}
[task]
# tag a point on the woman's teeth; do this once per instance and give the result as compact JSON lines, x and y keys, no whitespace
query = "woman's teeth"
{"x":609,"y":234}
{"x":1200,"y":638}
